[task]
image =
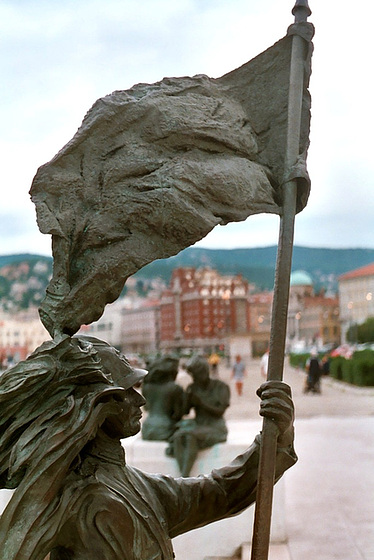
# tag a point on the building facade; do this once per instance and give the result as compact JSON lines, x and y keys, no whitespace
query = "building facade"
{"x":319,"y":321}
{"x":129,"y":324}
{"x":20,"y":334}
{"x":260,"y":307}
{"x":202,"y":309}
{"x":141,"y":329}
{"x":313,"y":319}
{"x":356,"y":296}
{"x":109,"y":326}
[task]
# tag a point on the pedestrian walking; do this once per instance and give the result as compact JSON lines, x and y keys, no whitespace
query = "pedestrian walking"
{"x":238,"y":374}
{"x":264,"y":364}
{"x":213,"y":361}
{"x":325,"y":365}
{"x":313,"y":368}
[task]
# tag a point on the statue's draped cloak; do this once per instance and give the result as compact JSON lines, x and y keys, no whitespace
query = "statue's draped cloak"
{"x":154,"y":169}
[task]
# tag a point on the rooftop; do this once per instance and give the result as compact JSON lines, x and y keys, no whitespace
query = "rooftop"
{"x":367,"y":270}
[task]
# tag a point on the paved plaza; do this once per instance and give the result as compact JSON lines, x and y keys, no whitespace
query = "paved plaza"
{"x":330,"y":492}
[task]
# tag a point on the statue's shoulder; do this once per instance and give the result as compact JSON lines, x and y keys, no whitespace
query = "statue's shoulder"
{"x":219,"y":384}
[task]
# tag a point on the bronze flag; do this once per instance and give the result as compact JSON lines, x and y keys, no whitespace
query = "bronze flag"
{"x":155,"y":168}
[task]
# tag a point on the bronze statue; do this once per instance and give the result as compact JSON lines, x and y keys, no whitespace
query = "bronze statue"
{"x":209,"y":398}
{"x":151,"y":171}
{"x":164,"y":399}
{"x":64,"y":411}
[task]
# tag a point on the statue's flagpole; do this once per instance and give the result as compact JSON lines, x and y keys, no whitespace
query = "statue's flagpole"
{"x":264,"y":498}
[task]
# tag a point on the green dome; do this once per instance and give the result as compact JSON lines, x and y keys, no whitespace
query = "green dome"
{"x":301,"y":278}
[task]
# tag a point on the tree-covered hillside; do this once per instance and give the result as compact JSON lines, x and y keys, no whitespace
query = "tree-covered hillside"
{"x":24,"y":278}
{"x":258,"y":264}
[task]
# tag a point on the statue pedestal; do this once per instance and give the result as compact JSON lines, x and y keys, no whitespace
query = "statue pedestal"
{"x":224,"y":537}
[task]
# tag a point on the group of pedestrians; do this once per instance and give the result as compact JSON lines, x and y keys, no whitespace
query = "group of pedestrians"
{"x":238,"y":369}
{"x":315,"y":369}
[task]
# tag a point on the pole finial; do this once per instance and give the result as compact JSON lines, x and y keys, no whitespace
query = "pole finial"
{"x":301,"y":10}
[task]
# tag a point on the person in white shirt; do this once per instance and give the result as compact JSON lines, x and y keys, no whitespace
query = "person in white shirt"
{"x":264,"y":364}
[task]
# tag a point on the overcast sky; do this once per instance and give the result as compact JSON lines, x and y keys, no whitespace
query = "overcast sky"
{"x":58,"y":56}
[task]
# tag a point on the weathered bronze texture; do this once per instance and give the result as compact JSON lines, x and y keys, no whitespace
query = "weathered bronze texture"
{"x":153,"y":169}
{"x":165,"y":399}
{"x":76,"y":498}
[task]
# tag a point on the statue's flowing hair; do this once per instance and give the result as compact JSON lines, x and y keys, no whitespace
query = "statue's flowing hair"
{"x":51,"y":405}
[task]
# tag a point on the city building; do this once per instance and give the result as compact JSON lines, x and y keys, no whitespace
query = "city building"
{"x":109,"y":326}
{"x":260,"y":306}
{"x":356,"y":295}
{"x":313,"y":319}
{"x":129,"y":324}
{"x":140,"y":328}
{"x":20,"y":334}
{"x":203,"y":310}
{"x":318,"y":321}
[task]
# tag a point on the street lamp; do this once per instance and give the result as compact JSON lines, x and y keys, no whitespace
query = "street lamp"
{"x":297,"y":325}
{"x":351,"y":323}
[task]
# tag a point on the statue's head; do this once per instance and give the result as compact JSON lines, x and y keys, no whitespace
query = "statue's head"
{"x":55,"y":401}
{"x":198,"y":368}
{"x":163,"y":369}
{"x":114,"y":363}
{"x":126,"y":422}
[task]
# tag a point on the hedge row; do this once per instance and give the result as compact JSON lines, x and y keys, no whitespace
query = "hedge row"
{"x":358,"y":370}
{"x":298,"y":360}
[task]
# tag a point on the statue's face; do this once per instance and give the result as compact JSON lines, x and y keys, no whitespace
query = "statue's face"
{"x":127,"y":422}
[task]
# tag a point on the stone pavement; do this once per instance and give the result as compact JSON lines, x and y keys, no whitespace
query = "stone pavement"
{"x":330,"y":491}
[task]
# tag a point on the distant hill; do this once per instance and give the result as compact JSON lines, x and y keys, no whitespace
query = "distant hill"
{"x":6,"y":260}
{"x":257,"y":265}
{"x":24,"y":277}
{"x":23,"y":280}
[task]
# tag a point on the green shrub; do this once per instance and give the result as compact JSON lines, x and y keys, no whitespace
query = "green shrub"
{"x":363,"y":368}
{"x":358,"y":370}
{"x":365,"y":331}
{"x":298,"y":360}
{"x":336,"y":367}
{"x":347,"y":371}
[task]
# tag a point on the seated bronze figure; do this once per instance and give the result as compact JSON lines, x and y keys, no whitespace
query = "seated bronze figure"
{"x":209,"y":398}
{"x":164,"y":399}
{"x":64,"y":411}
